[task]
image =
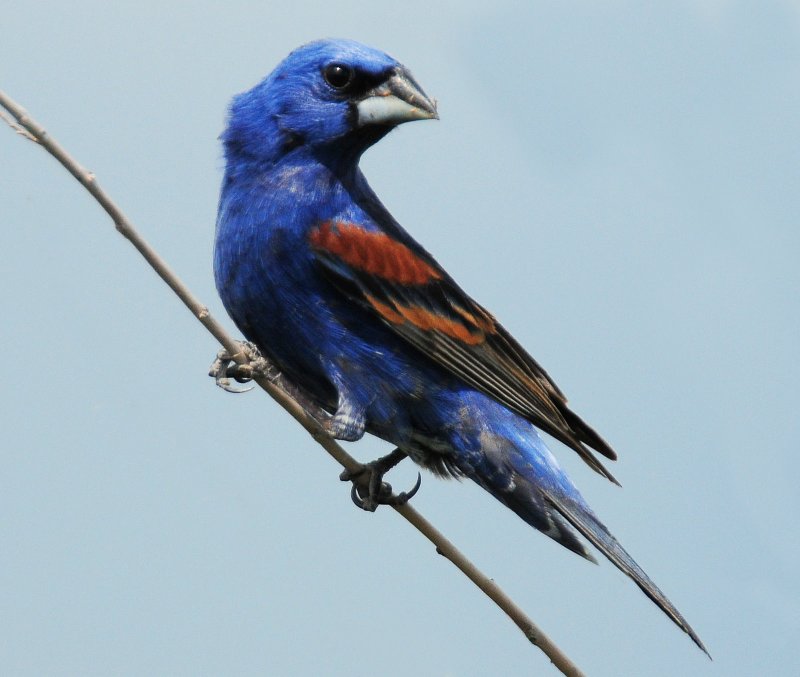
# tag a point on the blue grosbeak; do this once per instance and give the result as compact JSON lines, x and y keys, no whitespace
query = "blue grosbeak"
{"x":318,"y":275}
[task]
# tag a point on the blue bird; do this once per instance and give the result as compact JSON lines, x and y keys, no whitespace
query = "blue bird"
{"x":316,"y":273}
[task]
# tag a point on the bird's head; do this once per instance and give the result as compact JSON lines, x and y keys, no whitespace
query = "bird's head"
{"x":328,"y":97}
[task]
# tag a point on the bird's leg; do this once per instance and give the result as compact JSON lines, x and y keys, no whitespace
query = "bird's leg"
{"x":225,"y":367}
{"x":349,"y":421}
{"x":369,"y":490}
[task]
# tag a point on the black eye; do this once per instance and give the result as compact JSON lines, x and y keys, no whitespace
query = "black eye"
{"x":337,"y":75}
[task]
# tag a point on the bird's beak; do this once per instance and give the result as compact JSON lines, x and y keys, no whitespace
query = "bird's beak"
{"x":396,"y":100}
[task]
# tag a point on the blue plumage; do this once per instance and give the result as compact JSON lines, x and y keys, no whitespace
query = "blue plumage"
{"x":316,"y":272}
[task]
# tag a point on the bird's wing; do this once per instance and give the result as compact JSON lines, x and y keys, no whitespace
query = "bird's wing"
{"x":406,"y":289}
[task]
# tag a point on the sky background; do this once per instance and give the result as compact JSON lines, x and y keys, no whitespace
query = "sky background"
{"x":618,"y":182}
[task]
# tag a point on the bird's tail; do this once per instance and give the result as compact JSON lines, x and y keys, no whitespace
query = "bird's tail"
{"x":535,"y":487}
{"x":593,"y":530}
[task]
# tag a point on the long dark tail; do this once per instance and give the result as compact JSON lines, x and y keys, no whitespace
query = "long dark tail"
{"x":599,"y":536}
{"x":541,"y":494}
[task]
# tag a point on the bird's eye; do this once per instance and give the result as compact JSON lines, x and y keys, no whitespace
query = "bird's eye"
{"x":337,"y":75}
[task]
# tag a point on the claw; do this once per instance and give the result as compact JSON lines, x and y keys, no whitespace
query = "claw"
{"x":405,"y":496}
{"x":228,"y":388}
{"x":224,"y":367}
{"x":358,"y":501}
{"x":368,"y":493}
{"x":221,"y":369}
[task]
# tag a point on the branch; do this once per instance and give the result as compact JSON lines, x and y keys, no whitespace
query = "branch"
{"x":276,"y":386}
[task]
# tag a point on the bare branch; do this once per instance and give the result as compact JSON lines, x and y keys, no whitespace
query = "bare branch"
{"x":276,"y":385}
{"x":5,"y":117}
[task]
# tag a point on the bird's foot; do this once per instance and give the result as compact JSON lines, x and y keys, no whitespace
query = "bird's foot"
{"x":369,"y":490}
{"x":226,"y":367}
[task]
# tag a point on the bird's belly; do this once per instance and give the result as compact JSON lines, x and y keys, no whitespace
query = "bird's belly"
{"x":332,"y":348}
{"x":405,"y":398}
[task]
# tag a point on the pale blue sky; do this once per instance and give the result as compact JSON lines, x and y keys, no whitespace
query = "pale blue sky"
{"x":617,"y":183}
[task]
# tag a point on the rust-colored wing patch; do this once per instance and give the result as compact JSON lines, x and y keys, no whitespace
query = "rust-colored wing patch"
{"x":373,"y":253}
{"x":426,"y":321}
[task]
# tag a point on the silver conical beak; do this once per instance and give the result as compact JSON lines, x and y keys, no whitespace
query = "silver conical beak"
{"x":396,"y":100}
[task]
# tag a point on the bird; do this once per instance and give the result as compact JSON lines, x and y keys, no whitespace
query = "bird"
{"x":330,"y":288}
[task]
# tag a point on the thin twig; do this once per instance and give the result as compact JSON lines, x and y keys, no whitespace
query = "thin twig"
{"x":5,"y":117}
{"x":32,"y":130}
